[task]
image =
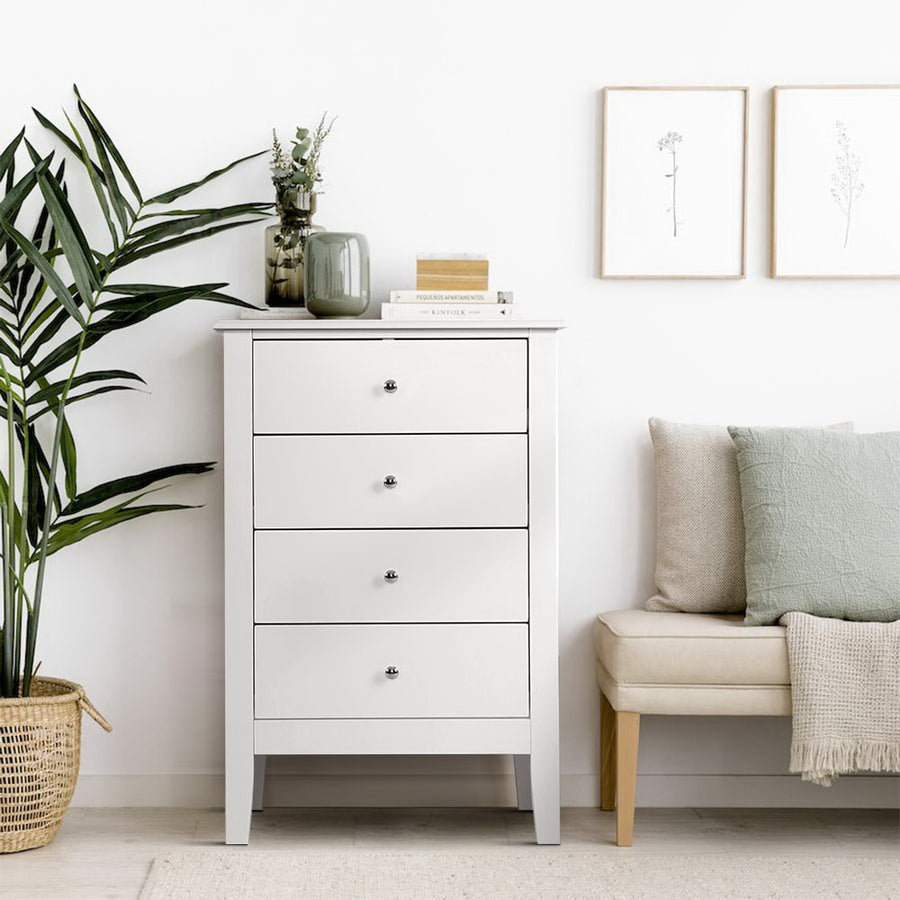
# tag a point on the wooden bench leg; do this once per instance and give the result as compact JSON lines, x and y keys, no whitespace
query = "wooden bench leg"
{"x":607,"y":754}
{"x":628,"y":726}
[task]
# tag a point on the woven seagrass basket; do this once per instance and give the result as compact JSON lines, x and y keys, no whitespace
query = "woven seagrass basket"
{"x":40,"y":749}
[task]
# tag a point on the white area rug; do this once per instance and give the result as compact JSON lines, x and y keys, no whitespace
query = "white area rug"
{"x":540,"y":875}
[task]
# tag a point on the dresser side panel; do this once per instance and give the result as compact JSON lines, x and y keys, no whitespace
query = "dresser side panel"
{"x":543,"y":566}
{"x":238,"y":469}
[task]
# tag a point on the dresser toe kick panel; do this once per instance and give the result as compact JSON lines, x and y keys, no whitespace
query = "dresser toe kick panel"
{"x":391,"y":548}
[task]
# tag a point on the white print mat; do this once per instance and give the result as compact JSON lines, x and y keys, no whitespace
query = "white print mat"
{"x":543,"y":874}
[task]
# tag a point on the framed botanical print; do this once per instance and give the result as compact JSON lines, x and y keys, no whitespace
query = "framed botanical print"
{"x":674,"y":182}
{"x":835,"y":181}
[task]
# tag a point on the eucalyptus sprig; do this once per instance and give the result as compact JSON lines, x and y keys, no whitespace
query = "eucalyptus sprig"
{"x":298,"y":171}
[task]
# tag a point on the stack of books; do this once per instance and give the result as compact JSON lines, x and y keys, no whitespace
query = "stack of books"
{"x":449,"y":305}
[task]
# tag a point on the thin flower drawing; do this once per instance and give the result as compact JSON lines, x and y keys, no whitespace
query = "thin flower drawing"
{"x":670,"y":142}
{"x":845,"y":184}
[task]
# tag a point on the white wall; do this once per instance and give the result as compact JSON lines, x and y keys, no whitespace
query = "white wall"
{"x":474,"y":126}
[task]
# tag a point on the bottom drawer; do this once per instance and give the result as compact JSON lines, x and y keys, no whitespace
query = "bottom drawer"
{"x":341,"y":671}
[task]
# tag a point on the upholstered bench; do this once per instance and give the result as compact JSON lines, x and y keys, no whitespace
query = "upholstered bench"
{"x":677,"y":664}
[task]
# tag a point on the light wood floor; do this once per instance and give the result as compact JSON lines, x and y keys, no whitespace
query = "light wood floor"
{"x":107,"y":852}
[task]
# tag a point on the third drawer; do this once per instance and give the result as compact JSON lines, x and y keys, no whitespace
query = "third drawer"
{"x":433,"y":575}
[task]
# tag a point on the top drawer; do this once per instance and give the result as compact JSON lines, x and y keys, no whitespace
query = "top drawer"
{"x":390,"y":386}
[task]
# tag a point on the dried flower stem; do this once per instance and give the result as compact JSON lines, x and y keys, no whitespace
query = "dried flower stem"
{"x":845,"y":184}
{"x":670,"y":142}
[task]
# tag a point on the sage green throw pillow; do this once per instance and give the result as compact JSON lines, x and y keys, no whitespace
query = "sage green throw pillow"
{"x":699,"y":523}
{"x":822,"y":521}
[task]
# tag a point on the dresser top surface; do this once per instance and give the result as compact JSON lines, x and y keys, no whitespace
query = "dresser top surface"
{"x":305,"y":324}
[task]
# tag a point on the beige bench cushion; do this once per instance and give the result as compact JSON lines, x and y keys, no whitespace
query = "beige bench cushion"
{"x":669,"y":648}
{"x":691,"y":664}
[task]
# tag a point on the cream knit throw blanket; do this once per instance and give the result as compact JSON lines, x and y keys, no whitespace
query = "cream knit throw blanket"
{"x":845,"y":683}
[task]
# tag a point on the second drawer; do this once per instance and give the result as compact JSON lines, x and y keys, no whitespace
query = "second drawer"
{"x":391,"y":481}
{"x":433,"y":575}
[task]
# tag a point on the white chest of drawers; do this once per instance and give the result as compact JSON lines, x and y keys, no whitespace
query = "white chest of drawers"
{"x":390,"y":548}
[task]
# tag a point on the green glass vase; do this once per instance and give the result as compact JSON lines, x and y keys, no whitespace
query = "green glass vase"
{"x":336,"y":273}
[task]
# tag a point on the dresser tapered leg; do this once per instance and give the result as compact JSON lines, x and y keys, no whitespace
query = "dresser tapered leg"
{"x":259,"y":781}
{"x":545,"y":795}
{"x":238,"y":798}
{"x":522,"y":763}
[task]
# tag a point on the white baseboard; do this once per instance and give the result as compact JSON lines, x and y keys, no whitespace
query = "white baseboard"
{"x":859,"y":792}
{"x":771,"y":791}
{"x":191,"y":791}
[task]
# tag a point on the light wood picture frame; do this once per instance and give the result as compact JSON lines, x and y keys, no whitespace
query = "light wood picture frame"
{"x":835,"y":183}
{"x":674,"y":182}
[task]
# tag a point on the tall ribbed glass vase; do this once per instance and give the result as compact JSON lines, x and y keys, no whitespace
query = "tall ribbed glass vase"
{"x":286,"y":248}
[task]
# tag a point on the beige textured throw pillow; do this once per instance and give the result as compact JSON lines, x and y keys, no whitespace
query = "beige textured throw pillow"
{"x":699,"y":521}
{"x":700,"y":525}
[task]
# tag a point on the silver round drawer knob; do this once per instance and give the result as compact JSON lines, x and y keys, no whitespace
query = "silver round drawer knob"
{"x":392,"y":672}
{"x":391,"y":576}
{"x":390,"y":386}
{"x":390,"y":481}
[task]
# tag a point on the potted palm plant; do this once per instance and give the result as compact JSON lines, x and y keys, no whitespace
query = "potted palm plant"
{"x":59,"y":296}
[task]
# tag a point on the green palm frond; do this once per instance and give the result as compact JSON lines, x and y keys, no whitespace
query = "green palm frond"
{"x":50,"y":314}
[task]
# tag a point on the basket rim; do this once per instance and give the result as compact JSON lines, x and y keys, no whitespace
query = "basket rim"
{"x":71,"y":692}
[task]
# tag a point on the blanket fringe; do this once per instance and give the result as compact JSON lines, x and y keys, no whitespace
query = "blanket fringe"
{"x":822,"y":761}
